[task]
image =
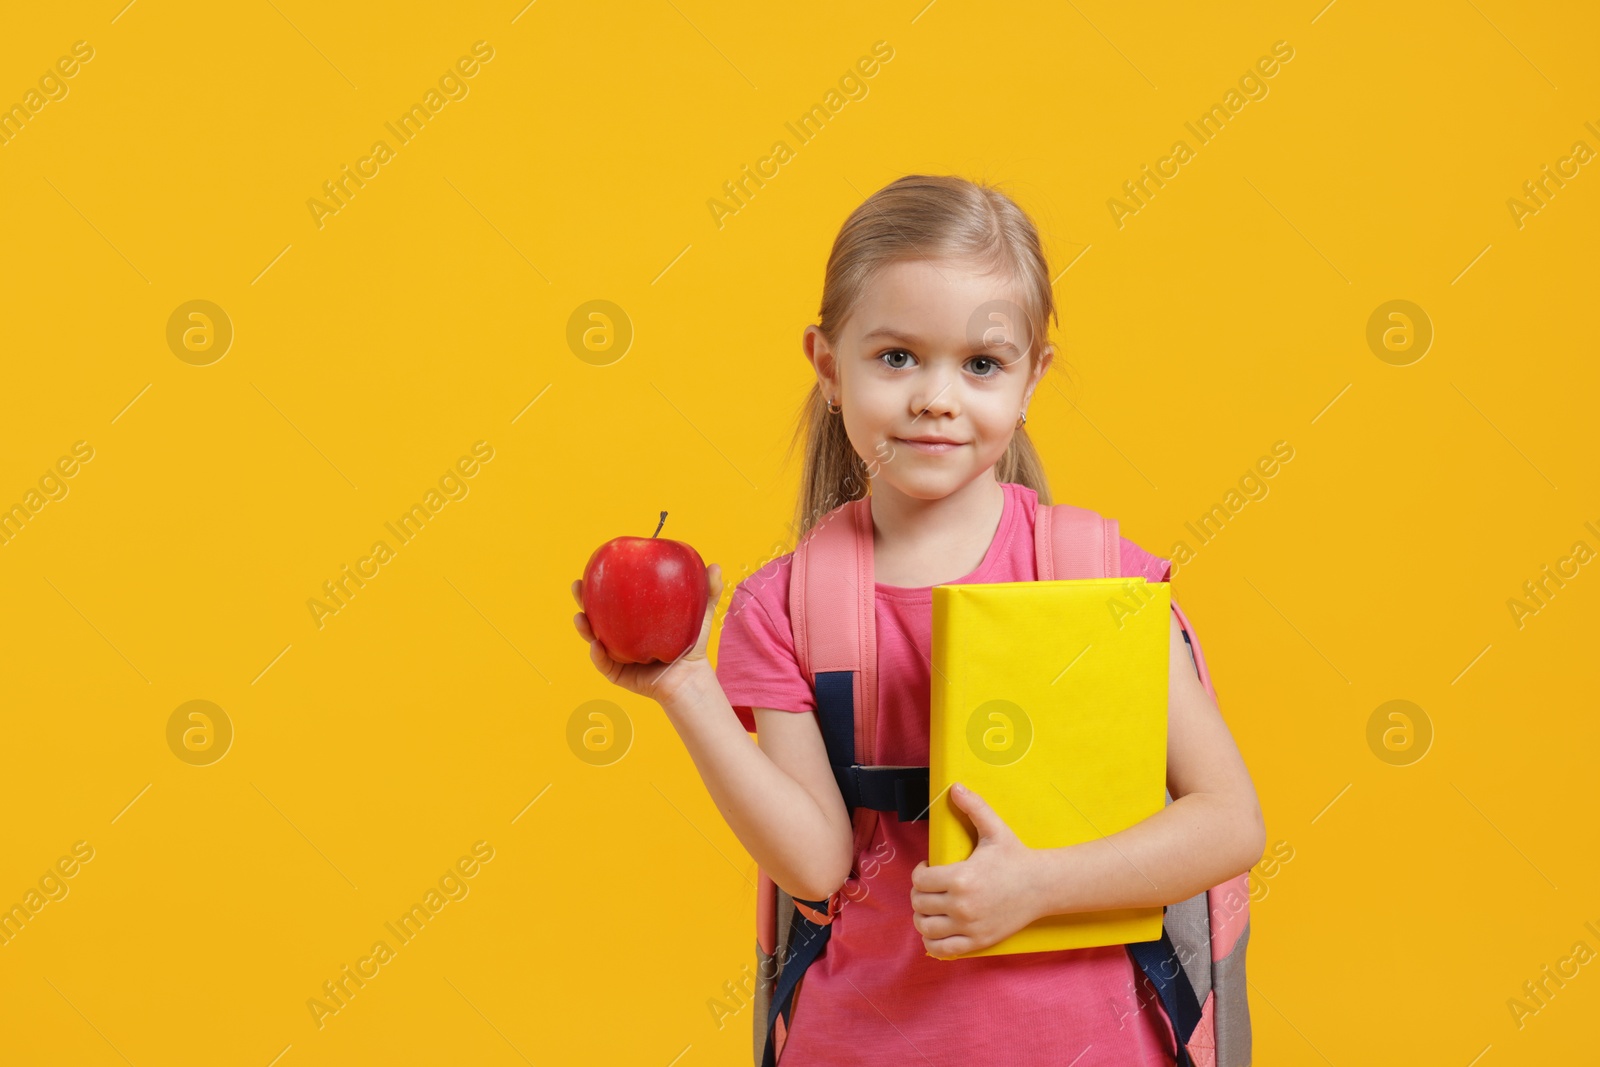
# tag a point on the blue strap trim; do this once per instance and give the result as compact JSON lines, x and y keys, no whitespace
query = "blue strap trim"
{"x":1159,"y":961}
{"x":806,"y":940}
{"x":836,"y":714}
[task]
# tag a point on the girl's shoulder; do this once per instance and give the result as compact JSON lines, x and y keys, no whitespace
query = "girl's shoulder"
{"x":766,"y":589}
{"x":1137,"y":563}
{"x":756,"y":661}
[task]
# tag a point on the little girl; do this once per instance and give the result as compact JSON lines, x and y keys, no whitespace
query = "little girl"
{"x":935,"y":308}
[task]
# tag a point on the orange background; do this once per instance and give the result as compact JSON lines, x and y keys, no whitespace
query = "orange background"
{"x":374,"y":346}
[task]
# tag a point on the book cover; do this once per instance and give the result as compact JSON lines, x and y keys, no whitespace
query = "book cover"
{"x":1049,"y":700}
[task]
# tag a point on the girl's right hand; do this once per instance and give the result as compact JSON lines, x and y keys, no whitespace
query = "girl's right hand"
{"x":653,"y":680}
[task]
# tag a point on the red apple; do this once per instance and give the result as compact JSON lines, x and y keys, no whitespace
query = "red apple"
{"x":645,"y":597}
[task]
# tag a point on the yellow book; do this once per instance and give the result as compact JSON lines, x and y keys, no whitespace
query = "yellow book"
{"x":1049,"y":700}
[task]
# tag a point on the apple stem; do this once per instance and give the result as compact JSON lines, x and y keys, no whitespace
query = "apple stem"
{"x":660,"y":524}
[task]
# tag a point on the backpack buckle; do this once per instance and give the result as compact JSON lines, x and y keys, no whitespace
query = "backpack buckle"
{"x":901,"y":790}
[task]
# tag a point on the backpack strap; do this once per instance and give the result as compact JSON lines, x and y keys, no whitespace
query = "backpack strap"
{"x":1160,"y":963}
{"x":832,"y":607}
{"x":831,"y":600}
{"x":1072,"y":542}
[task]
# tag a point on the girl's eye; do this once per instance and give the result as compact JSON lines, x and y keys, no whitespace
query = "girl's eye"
{"x":991,"y":368}
{"x":894,"y":352}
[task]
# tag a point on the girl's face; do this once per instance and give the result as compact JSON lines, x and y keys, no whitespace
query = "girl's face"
{"x":934,"y":350}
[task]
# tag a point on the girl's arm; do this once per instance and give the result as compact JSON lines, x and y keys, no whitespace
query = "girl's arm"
{"x":779,"y":796}
{"x":1211,"y":832}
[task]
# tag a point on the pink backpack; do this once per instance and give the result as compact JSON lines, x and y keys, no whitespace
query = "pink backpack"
{"x":1196,"y":966}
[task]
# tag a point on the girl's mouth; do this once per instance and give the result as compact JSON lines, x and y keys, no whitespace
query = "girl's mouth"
{"x":929,"y":447}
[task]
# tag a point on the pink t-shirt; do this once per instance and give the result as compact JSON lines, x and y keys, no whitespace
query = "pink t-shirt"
{"x":875,"y":996}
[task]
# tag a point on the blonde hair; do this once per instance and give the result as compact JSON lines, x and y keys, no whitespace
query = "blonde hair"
{"x":919,"y":216}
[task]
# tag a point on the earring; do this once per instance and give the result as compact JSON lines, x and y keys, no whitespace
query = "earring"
{"x":1023,"y":420}
{"x":832,"y":410}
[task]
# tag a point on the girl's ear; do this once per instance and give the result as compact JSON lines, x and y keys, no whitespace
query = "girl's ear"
{"x":1045,"y":356}
{"x":822,"y":359}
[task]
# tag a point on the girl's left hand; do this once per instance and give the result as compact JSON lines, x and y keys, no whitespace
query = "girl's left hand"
{"x":985,"y":898}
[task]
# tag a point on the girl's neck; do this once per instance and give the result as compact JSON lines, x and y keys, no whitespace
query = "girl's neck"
{"x":946,"y":538}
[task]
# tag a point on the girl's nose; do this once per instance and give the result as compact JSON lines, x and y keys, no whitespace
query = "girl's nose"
{"x":941,"y":402}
